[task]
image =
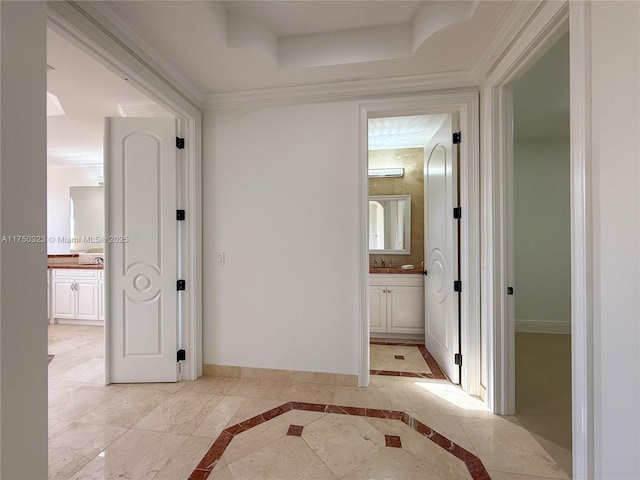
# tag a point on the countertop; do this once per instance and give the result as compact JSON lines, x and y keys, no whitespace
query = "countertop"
{"x":76,"y":266}
{"x":415,"y":271}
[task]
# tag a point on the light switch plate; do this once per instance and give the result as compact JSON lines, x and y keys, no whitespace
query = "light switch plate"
{"x":220,"y":258}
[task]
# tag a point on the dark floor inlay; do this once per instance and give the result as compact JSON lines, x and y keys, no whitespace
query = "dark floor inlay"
{"x":50,"y":358}
{"x":295,"y":430}
{"x":393,"y":441}
{"x":399,"y":357}
{"x":214,"y":454}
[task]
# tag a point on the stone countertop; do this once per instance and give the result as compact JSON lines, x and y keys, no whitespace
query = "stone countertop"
{"x":76,"y":266}
{"x":415,"y":271}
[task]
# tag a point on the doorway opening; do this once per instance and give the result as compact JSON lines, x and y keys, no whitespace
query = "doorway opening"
{"x":417,"y":325}
{"x":539,"y":250}
{"x":80,"y":94}
{"x":91,"y":84}
{"x":411,"y":187}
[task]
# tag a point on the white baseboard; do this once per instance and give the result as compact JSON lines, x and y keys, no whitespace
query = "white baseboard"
{"x":543,"y":326}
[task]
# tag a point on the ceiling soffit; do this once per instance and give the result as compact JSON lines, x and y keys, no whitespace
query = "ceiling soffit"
{"x":346,"y":46}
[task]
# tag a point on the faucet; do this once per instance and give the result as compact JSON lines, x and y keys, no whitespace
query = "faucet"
{"x":391,"y":263}
{"x":382,"y":262}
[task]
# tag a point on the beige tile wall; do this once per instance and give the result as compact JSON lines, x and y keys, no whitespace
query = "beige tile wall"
{"x":412,"y":183}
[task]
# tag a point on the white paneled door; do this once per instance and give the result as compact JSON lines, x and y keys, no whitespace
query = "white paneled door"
{"x":142,"y":265}
{"x":441,"y":249}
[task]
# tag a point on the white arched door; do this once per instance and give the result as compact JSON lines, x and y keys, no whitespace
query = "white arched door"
{"x":441,"y":249}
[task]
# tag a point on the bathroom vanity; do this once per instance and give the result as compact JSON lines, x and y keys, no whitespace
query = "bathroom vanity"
{"x":396,"y":302}
{"x":76,"y":294}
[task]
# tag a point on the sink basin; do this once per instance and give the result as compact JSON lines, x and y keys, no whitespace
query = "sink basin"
{"x":90,"y":258}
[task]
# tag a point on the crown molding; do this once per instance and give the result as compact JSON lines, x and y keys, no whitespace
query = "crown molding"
{"x":344,"y":90}
{"x":512,"y":22}
{"x":111,"y":17}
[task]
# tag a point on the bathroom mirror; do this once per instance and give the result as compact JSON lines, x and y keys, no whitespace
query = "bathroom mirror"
{"x":390,"y":224}
{"x":86,"y":214}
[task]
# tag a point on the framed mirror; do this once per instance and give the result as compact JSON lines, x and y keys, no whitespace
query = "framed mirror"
{"x":86,"y":217}
{"x":390,"y":224}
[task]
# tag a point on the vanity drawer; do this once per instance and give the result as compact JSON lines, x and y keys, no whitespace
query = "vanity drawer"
{"x":73,"y":273}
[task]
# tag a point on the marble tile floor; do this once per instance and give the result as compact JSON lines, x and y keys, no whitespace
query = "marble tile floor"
{"x":165,"y":431}
{"x":403,"y":360}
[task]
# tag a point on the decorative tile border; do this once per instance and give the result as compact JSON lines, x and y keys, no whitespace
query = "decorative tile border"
{"x":436,"y":371}
{"x":214,"y":454}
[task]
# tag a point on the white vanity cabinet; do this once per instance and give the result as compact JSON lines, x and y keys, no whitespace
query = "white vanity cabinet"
{"x":75,"y":295}
{"x":101,"y":298}
{"x":396,"y":303}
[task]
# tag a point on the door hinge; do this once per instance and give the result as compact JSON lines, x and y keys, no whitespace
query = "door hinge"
{"x":182,"y":355}
{"x":179,"y":143}
{"x":180,"y":215}
{"x":457,"y":212}
{"x":457,"y":286}
{"x":457,"y":138}
{"x":457,"y":359}
{"x":182,"y":285}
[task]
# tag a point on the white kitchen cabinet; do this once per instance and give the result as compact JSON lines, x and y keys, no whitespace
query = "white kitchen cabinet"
{"x":75,"y":296}
{"x":396,"y":303}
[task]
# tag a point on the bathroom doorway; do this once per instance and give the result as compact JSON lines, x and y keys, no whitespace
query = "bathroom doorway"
{"x":396,"y":153}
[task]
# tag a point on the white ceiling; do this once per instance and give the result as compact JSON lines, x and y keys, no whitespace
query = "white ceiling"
{"x":234,"y":46}
{"x":88,"y":92}
{"x":541,"y":97}
{"x":403,"y":132}
{"x":237,"y":46}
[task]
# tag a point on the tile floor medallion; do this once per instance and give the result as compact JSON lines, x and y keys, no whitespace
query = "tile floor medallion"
{"x":347,"y":443}
{"x":403,"y":360}
{"x":227,"y":428}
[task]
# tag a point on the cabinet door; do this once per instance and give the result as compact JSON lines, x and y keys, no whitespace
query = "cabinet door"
{"x":377,"y":308}
{"x":405,"y":309}
{"x":101,"y":300}
{"x":87,"y":299}
{"x":63,"y":299}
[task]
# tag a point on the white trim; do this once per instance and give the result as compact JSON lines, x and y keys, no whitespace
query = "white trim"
{"x":142,"y":46}
{"x":76,"y":24}
{"x":543,"y":326}
{"x":549,"y":24}
{"x":581,"y":242}
{"x":515,"y":17}
{"x":363,"y":248}
{"x":340,"y":91}
{"x":466,"y":102}
{"x":106,"y":44}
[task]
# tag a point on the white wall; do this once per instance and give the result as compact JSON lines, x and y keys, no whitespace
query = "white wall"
{"x":542,"y":235}
{"x":615,"y":149}
{"x":59,"y":179}
{"x":23,"y":294}
{"x":281,"y":201}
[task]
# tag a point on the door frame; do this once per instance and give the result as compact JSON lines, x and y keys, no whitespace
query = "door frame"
{"x":550,"y":21}
{"x":79,"y":25}
{"x":467,"y":103}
